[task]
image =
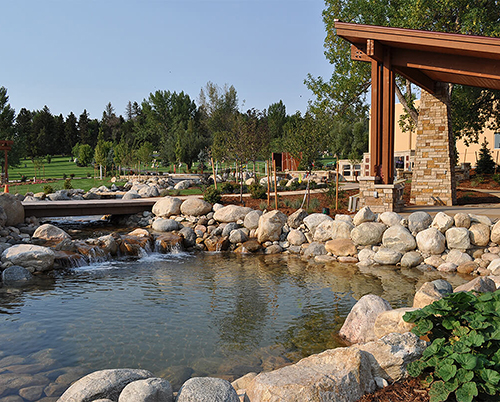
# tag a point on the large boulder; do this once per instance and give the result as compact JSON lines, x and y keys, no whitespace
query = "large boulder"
{"x":165,"y":225}
{"x":419,"y":221}
{"x":33,"y":258}
{"x":458,"y":238}
{"x":195,"y":207}
{"x":494,"y":266}
{"x":365,"y":214}
{"x":390,"y":218}
{"x":148,"y":390}
{"x":231,"y":213}
{"x":341,"y":229}
{"x":495,"y":233}
{"x":252,"y":219}
{"x":391,"y":321}
{"x":341,"y":247}
{"x":458,"y":257}
{"x":442,"y":222}
{"x":295,"y":237}
{"x":431,"y":241}
{"x":399,"y":238}
{"x":387,"y":256}
{"x":368,"y":233}
{"x":390,"y":355}
{"x":129,"y":195}
{"x":313,"y":221}
{"x":104,"y":384}
{"x":206,"y":389}
{"x":430,"y":292}
{"x":51,"y":232}
{"x":358,"y":326}
{"x":13,"y":208}
{"x":479,"y":234}
{"x":315,"y":249}
{"x":189,"y":236}
{"x":479,"y":285}
{"x":342,"y":374}
{"x":462,"y":220}
{"x":270,"y":226}
{"x":182,"y":185}
{"x":167,"y":206}
{"x":238,"y":236}
{"x":16,"y":274}
{"x":296,"y":219}
{"x":411,"y":259}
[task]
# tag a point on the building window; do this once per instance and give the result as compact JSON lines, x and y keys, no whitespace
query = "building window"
{"x":497,"y":140}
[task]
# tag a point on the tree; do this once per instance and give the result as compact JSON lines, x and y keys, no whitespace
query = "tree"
{"x":71,"y":130}
{"x":145,"y":154}
{"x":347,"y":140}
{"x":85,"y":155}
{"x":485,"y":163}
{"x":8,"y":130}
{"x":276,"y":119}
{"x":344,"y":94}
{"x":101,"y":153}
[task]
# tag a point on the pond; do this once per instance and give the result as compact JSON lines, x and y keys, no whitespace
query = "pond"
{"x":181,"y":315}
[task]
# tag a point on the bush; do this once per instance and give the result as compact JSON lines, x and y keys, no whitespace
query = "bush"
{"x":295,"y":185}
{"x":47,"y":189}
{"x":67,"y":184}
{"x":464,"y":356}
{"x":212,"y":195}
{"x":282,"y":183}
{"x":485,"y":164}
{"x":72,"y":175}
{"x":257,"y":191}
{"x":227,"y":188}
{"x":23,"y":179}
{"x":496,"y":178}
{"x":65,"y":176}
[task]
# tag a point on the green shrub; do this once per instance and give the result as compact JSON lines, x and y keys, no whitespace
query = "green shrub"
{"x":313,"y":185}
{"x":313,"y":205}
{"x":485,"y":163}
{"x":65,"y":176}
{"x":496,"y":178}
{"x":67,"y":184}
{"x":47,"y":189}
{"x":227,"y":187}
{"x":72,"y":175}
{"x":464,"y":356}
{"x":282,"y":183}
{"x":257,"y":191}
{"x":212,"y":195}
{"x":295,"y":185}
{"x":263,"y":206}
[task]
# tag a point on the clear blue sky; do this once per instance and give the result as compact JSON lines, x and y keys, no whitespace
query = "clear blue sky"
{"x":81,"y":54}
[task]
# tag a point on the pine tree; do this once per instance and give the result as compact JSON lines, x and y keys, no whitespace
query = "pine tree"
{"x":485,"y":164}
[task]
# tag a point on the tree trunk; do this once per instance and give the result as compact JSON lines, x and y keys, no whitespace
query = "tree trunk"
{"x":412,"y":112}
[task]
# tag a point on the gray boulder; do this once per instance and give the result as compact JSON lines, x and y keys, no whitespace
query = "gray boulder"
{"x":270,"y":226}
{"x":480,"y":219}
{"x":295,"y":237}
{"x":390,"y":218}
{"x":12,"y":208}
{"x":358,"y":326}
{"x":167,"y":206}
{"x":411,"y":259}
{"x":387,"y":256}
{"x":148,"y":390}
{"x":252,"y":219}
{"x":341,"y":374}
{"x":59,"y":195}
{"x":297,"y":218}
{"x":419,"y":221}
{"x":462,"y":220}
{"x":479,"y":285}
{"x":442,"y":222}
{"x":365,"y":256}
{"x":131,"y":195}
{"x":206,"y":389}
{"x":149,"y":191}
{"x":16,"y":274}
{"x":315,"y":249}
{"x":430,"y":292}
{"x":165,"y":225}
{"x":33,"y":258}
{"x":458,"y":238}
{"x":365,"y":214}
{"x":457,"y":257}
{"x":431,"y":241}
{"x":226,"y":231}
{"x":238,"y":236}
{"x":231,"y":213}
{"x":182,"y":185}
{"x":189,"y":236}
{"x":399,"y":238}
{"x":195,"y":207}
{"x":102,"y":384}
{"x":368,"y":233}
{"x":312,"y":221}
{"x":479,"y":234}
{"x":50,"y":232}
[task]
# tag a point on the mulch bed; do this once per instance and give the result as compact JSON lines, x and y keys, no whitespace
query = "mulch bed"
{"x":408,"y":390}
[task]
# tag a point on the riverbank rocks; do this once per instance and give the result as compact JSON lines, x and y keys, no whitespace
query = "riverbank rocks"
{"x":365,"y":214}
{"x":270,"y":226}
{"x":165,"y":225}
{"x":368,"y":233}
{"x":442,"y":222}
{"x":342,"y":374}
{"x":431,"y":241}
{"x":16,"y":275}
{"x":341,"y":247}
{"x":297,"y":218}
{"x":314,"y":220}
{"x":51,"y":232}
{"x":148,"y":390}
{"x":207,"y":389}
{"x":399,"y":238}
{"x":390,"y":218}
{"x":251,"y":220}
{"x":430,"y":292}
{"x":33,"y":258}
{"x":13,"y":209}
{"x":458,"y":238}
{"x":358,"y":326}
{"x":231,"y":213}
{"x":195,"y":207}
{"x":418,"y":221}
{"x":167,"y":206}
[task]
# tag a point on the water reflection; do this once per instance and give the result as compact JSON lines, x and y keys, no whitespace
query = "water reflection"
{"x":182,"y":315}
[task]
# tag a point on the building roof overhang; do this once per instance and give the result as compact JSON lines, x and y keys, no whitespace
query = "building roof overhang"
{"x":426,"y":57}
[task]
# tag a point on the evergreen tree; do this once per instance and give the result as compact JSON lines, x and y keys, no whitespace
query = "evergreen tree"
{"x":485,"y":164}
{"x":8,"y":131}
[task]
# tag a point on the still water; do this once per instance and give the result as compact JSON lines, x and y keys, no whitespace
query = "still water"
{"x":181,"y":315}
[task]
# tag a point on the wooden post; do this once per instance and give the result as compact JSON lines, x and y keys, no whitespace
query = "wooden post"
{"x":268,"y":184}
{"x":337,"y":186}
{"x":275,"y":186}
{"x":213,"y":171}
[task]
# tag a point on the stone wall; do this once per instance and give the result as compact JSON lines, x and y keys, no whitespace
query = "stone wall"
{"x":380,"y":197}
{"x":433,"y":175}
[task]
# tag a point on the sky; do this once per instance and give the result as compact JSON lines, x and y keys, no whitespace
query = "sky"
{"x":72,"y":55}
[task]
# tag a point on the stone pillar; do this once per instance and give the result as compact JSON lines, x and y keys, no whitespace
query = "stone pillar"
{"x":380,"y":197}
{"x":433,"y":181}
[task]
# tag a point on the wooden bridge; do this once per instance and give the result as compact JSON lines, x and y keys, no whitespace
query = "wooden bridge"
{"x":42,"y":209}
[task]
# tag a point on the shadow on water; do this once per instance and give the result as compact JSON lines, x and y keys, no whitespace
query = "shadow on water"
{"x":181,"y":315}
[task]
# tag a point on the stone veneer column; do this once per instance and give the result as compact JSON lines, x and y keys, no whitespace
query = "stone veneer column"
{"x":433,"y":180}
{"x":380,"y":197}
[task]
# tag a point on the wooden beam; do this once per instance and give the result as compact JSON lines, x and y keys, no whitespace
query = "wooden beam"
{"x":388,"y":119}
{"x":376,"y":120}
{"x":358,"y":53}
{"x":375,"y":50}
{"x":417,"y":77}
